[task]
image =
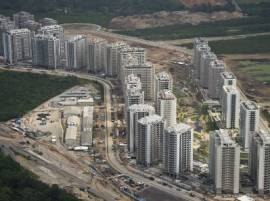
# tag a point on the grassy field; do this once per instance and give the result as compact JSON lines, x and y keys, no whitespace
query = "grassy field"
{"x":222,"y":28}
{"x":258,"y":70}
{"x":90,"y":17}
{"x":22,"y":92}
{"x":249,"y":45}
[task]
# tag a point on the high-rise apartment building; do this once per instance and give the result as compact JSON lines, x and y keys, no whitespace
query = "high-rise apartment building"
{"x":113,"y":59}
{"x":230,"y":107}
{"x":249,"y":122}
{"x":178,"y":150}
{"x":135,"y":113}
{"x":5,"y":25}
{"x":166,"y":107}
{"x":146,"y":74}
{"x":46,"y":51}
{"x":259,"y":161}
{"x":97,"y":55}
{"x":163,"y":80}
{"x":227,"y":79}
{"x":48,"y":22}
{"x":206,"y":58}
{"x":21,"y":17}
{"x":224,"y":162}
{"x":200,"y":46}
{"x":17,"y":45}
{"x":55,"y":30}
{"x":76,"y":52}
{"x":214,"y":78}
{"x":150,"y":137}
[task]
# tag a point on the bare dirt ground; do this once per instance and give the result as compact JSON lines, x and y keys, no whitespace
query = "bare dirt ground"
{"x":165,"y":18}
{"x":254,"y":89}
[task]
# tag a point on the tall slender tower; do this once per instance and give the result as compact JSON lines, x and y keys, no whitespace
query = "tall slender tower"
{"x":249,"y":122}
{"x":224,"y":162}
{"x":150,"y":137}
{"x":178,"y":150}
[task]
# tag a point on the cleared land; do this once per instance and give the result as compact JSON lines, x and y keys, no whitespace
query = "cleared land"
{"x":22,"y":92}
{"x":223,"y":28}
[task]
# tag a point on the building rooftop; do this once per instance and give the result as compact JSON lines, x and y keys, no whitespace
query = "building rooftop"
{"x":88,"y":111}
{"x":18,"y":31}
{"x":141,"y":108}
{"x":73,"y":121}
{"x":200,"y":41}
{"x":179,"y":128}
{"x":230,"y":89}
{"x":250,"y":105}
{"x":228,"y":75}
{"x":151,"y":119}
{"x":223,"y":138}
{"x":132,"y":79}
{"x":45,"y":37}
{"x":217,"y":64}
{"x":203,"y":47}
{"x":263,"y":137}
{"x":76,"y":38}
{"x":71,"y":133}
{"x":51,"y":27}
{"x":166,"y":95}
{"x":209,"y":55}
{"x":164,"y":76}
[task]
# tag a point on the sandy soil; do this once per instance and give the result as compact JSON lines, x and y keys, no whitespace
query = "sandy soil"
{"x":165,"y":18}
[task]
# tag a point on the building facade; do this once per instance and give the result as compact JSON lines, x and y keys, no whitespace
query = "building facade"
{"x":259,"y":161}
{"x":136,"y":112}
{"x":178,"y":150}
{"x":163,"y":80}
{"x":166,"y":107}
{"x":46,"y":51}
{"x":206,"y":58}
{"x":17,"y":45}
{"x":249,"y":122}
{"x":230,"y":107}
{"x":224,"y":162}
{"x":214,"y":79}
{"x":150,"y":137}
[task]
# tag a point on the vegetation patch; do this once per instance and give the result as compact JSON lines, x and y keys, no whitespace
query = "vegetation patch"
{"x":240,"y":26}
{"x":22,"y":92}
{"x":18,"y":184}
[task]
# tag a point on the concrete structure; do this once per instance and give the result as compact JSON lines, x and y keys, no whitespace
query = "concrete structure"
{"x":214,"y":79}
{"x":5,"y":25}
{"x":48,"y":22}
{"x":163,"y":80}
{"x":224,"y":162}
{"x":150,"y":137}
{"x":206,"y":58}
{"x":259,"y":161}
{"x":137,"y":54}
{"x":55,"y":30}
{"x":146,"y":74}
{"x":75,"y":49}
{"x":21,"y":17}
{"x":227,"y":79}
{"x":46,"y":51}
{"x":87,"y":126}
{"x":200,"y":46}
{"x":135,"y":113}
{"x":249,"y":122}
{"x":97,"y":55}
{"x":17,"y":45}
{"x":73,"y":125}
{"x":133,"y":91}
{"x":230,"y":106}
{"x":113,"y":59}
{"x":166,"y":107}
{"x":178,"y":150}
{"x":32,"y":25}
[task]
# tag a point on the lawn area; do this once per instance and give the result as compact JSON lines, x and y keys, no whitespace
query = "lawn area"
{"x":17,"y":184}
{"x":22,"y":92}
{"x":91,"y":17}
{"x":222,"y":28}
{"x":259,"y":70}
{"x":249,"y":45}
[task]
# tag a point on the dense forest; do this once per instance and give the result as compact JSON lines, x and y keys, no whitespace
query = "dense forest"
{"x":17,"y":184}
{"x":105,"y":6}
